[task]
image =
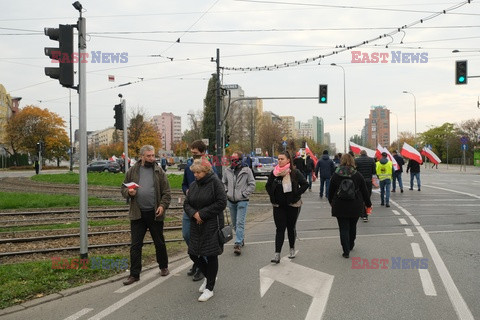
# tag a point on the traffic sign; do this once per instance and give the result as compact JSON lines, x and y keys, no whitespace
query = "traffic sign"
{"x":284,"y":143}
{"x":465,"y":147}
{"x":464,"y":140}
{"x":284,"y":138}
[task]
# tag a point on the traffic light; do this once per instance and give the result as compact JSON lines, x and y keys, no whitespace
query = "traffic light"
{"x":322,"y":97}
{"x":227,"y":141}
{"x":461,"y":72}
{"x":63,"y":54}
{"x":39,"y":147}
{"x":118,"y":117}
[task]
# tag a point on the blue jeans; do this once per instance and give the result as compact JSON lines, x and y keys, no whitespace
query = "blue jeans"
{"x":308,"y":176}
{"x":397,"y":175}
{"x":385,"y":190}
{"x":186,"y":228}
{"x":326,"y":182}
{"x":238,"y":213}
{"x":417,"y":176}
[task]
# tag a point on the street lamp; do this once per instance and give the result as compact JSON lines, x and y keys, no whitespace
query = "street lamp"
{"x":414,"y":113}
{"x":344,"y":110}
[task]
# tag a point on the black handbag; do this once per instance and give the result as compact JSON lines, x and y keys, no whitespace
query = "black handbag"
{"x":226,"y":233}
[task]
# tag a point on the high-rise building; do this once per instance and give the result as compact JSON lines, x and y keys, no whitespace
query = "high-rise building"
{"x":170,"y":128}
{"x":8,"y":107}
{"x":304,"y":129}
{"x":378,"y":127}
{"x":288,"y":126}
{"x":317,"y":129}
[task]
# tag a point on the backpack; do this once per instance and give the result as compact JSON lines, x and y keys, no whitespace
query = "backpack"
{"x":346,"y":190}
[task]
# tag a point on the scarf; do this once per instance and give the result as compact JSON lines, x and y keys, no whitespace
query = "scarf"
{"x":285,"y":173}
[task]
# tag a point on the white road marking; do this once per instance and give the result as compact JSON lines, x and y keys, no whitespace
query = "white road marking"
{"x":79,"y":314}
{"x":459,"y":304}
{"x":145,"y":277}
{"x":427,"y":283}
{"x":455,"y":191}
{"x":409,"y":232}
{"x":403,"y":221}
{"x":395,"y":212}
{"x":417,"y":252}
{"x":415,"y":222}
{"x":120,"y":303}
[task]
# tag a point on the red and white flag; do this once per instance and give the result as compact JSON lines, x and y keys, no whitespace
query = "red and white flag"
{"x":312,"y":156}
{"x":410,"y":152}
{"x":111,"y":78}
{"x":430,"y":155}
{"x":357,"y":148}
{"x":381,"y":150}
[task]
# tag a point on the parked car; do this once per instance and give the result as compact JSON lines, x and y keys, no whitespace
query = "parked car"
{"x":104,"y":166}
{"x":262,"y":166}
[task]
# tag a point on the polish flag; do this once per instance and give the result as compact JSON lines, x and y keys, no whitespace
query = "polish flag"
{"x":310,"y":153}
{"x":430,"y":155}
{"x":410,"y":152}
{"x":379,"y":152}
{"x":357,"y":148}
{"x":111,"y":78}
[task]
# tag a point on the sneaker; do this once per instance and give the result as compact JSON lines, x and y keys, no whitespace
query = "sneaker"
{"x":393,"y":190}
{"x":401,"y":190}
{"x":198,"y":275}
{"x":387,"y":205}
{"x":292,"y":253}
{"x":418,"y":189}
{"x":203,"y":286}
{"x":191,"y":272}
{"x":276,"y":258}
{"x":207,"y":294}
{"x":237,"y":250}
{"x":365,"y":219}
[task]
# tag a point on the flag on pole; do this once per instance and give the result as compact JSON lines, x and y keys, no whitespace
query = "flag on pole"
{"x":357,"y":148}
{"x":430,"y":155}
{"x":379,"y":152}
{"x":410,"y":152}
{"x":310,"y":153}
{"x":111,"y":78}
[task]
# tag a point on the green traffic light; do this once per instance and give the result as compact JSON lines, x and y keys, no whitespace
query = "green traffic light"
{"x":461,"y":79}
{"x":323,"y":99}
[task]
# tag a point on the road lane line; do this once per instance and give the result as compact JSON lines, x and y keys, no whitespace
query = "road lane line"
{"x":459,"y":304}
{"x":455,"y":191}
{"x":120,"y":303}
{"x":395,"y":212}
{"x":79,"y":314}
{"x":415,"y":222}
{"x":409,"y":232}
{"x":427,"y":283}
{"x":403,"y":221}
{"x":417,"y":252}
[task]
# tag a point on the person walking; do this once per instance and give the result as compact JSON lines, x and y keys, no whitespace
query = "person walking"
{"x":367,"y":168}
{"x":299,"y":163}
{"x":348,"y":196}
{"x":326,"y":167}
{"x":204,"y":204}
{"x":197,"y":148}
{"x":239,"y":185}
{"x":309,"y":169}
{"x":397,"y":174}
{"x":148,"y":204}
{"x":384,"y":174}
{"x":414,"y":168}
{"x":285,"y":187}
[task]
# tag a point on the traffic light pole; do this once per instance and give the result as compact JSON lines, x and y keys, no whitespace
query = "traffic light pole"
{"x":125,"y":135}
{"x":218,"y":118}
{"x":82,"y":115}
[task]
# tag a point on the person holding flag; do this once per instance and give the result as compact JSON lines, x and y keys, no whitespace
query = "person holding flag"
{"x":427,"y":152}
{"x":397,"y":174}
{"x":384,"y":174}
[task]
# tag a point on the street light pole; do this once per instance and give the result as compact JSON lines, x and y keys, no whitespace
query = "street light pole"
{"x":414,"y":113}
{"x":344,"y":109}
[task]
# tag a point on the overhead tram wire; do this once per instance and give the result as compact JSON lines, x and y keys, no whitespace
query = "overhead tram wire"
{"x":345,"y":48}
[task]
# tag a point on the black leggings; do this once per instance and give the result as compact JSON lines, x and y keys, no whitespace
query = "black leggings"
{"x":285,"y":218}
{"x":209,"y":267}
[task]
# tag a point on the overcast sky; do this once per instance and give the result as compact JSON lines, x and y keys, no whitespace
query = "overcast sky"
{"x":253,"y":34}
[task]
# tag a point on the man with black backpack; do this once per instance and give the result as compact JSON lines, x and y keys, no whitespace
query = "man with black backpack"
{"x":348,"y":196}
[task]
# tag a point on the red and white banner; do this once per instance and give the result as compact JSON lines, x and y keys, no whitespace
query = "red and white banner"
{"x":357,"y":148}
{"x":379,"y":152}
{"x":410,"y":152}
{"x":312,"y":156}
{"x":430,"y":155}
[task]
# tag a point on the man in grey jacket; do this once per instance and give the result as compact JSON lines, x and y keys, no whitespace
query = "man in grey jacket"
{"x":148,"y":191}
{"x":239,"y":184}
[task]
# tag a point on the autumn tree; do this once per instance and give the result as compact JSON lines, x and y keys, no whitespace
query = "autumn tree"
{"x":140,"y":133}
{"x":33,"y":124}
{"x":270,"y":135}
{"x":208,"y":123}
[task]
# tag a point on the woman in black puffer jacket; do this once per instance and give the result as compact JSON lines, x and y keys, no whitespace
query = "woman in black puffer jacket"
{"x":204,"y":204}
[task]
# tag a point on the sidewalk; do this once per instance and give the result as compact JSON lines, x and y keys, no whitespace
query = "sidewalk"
{"x":450,"y":168}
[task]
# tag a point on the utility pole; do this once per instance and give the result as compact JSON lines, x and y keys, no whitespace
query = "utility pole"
{"x":218,"y":119}
{"x":70,"y":112}
{"x":125,"y":134}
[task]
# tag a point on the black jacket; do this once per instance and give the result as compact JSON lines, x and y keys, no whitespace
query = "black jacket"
{"x":348,"y":208}
{"x":400,"y":162}
{"x":413,"y":166}
{"x":326,"y":167}
{"x":309,"y":165}
{"x":366,"y":166}
{"x":275,"y":189}
{"x":207,"y":196}
{"x":299,"y":164}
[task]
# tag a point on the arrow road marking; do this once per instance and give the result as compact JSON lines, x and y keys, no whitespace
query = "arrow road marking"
{"x":300,"y":278}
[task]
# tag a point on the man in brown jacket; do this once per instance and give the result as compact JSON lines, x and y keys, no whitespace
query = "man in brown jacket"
{"x":147,"y":189}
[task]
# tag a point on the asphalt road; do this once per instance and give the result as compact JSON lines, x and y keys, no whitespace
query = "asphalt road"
{"x":437,"y":229}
